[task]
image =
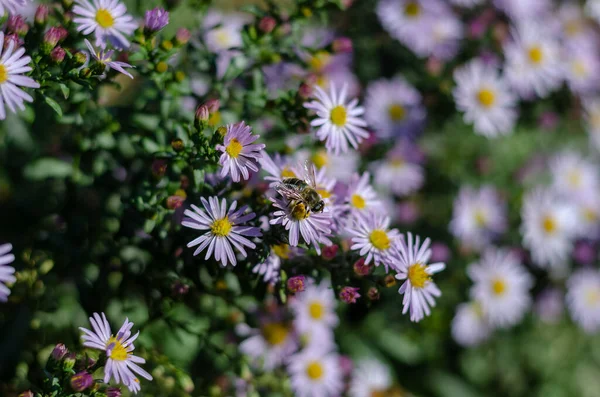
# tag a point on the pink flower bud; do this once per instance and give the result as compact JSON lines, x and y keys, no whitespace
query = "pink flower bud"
{"x":81,"y":381}
{"x":267,"y":24}
{"x":296,"y":284}
{"x":349,"y":294}
{"x":342,"y":45}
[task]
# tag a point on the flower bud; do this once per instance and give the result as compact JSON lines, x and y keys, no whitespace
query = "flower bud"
{"x":27,"y":393}
{"x":113,"y":392}
{"x":17,"y":24}
{"x":179,"y":288}
{"x":177,"y":145}
{"x":80,"y":58}
{"x":159,"y":168}
{"x":213,"y":105}
{"x":342,"y":45}
{"x":296,"y":284}
{"x":349,"y":294}
{"x":361,"y":268}
{"x":373,"y":294}
{"x":155,"y":20}
{"x":41,"y":14}
{"x":54,"y":35}
{"x":162,"y":67}
{"x":12,"y":37}
{"x":67,"y":4}
{"x":174,"y":202}
{"x":182,"y":36}
{"x":58,"y":54}
{"x":81,"y":381}
{"x":267,"y":24}
{"x":329,"y":252}
{"x":305,"y":91}
{"x":389,"y":281}
{"x":202,"y":114}
{"x":59,"y":352}
{"x":69,"y":361}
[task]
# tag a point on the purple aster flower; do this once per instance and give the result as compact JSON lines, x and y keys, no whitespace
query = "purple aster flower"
{"x":104,"y":58}
{"x":223,"y":229}
{"x":6,"y":272}
{"x":239,"y":152}
{"x":11,"y":6}
{"x":156,"y":19}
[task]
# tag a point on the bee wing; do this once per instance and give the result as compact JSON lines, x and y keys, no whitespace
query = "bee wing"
{"x":288,"y":192}
{"x":309,"y":169}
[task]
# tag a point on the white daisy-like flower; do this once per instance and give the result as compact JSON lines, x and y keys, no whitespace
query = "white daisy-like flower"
{"x":316,"y":374}
{"x":524,"y":10}
{"x":466,"y":3}
{"x":575,"y":28}
{"x":447,"y":31}
{"x":573,"y":175}
{"x":588,"y":210}
{"x":372,"y":236}
{"x":106,"y":19}
{"x":270,"y":346}
{"x":12,"y":6}
{"x":548,"y":226}
{"x":340,"y":167}
{"x":12,"y":66}
{"x":361,"y":198}
{"x":338,"y":121}
{"x":240,"y":153}
{"x":479,"y":216}
{"x":401,"y":172}
{"x":6,"y":272}
{"x":485,"y":99}
{"x":270,"y":269}
{"x":592,"y":120}
{"x":501,"y":286}
{"x":314,"y":307}
{"x":470,"y":326}
{"x":533,"y":61}
{"x":418,"y":288}
{"x":583,"y":299}
{"x":223,"y":228}
{"x":223,"y":32}
{"x":121,"y":364}
{"x":581,"y":70}
{"x":394,"y":108}
{"x":370,"y":378}
{"x":320,"y":339}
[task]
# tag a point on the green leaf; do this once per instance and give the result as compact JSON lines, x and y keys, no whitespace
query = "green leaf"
{"x":48,"y":168}
{"x":65,"y":90}
{"x":54,"y":105}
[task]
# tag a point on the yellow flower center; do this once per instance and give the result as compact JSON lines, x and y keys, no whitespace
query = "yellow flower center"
{"x":286,"y":172}
{"x":319,"y":159}
{"x":104,"y":18}
{"x":417,"y":275}
{"x":579,"y":69}
{"x":316,"y":310}
{"x":549,"y":224}
{"x":221,"y":227}
{"x":480,"y":218}
{"x":3,"y":73}
{"x":412,"y":9}
{"x":536,"y":55}
{"x":486,"y":97}
{"x":234,"y":148}
{"x":314,"y":370}
{"x":281,"y":250}
{"x":498,"y":286}
{"x":572,"y":27}
{"x":275,"y":333}
{"x":299,"y":212}
{"x":397,"y":162}
{"x":574,"y":178}
{"x":358,"y":202}
{"x":324,"y":193}
{"x":222,"y":36}
{"x":379,"y":239}
{"x":592,"y":297}
{"x":396,"y":112}
{"x":118,"y":351}
{"x":338,"y":116}
{"x":590,"y":215}
{"x":319,"y":61}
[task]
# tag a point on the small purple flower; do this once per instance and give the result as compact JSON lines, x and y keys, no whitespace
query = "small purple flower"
{"x":58,"y":54}
{"x":113,"y":392}
{"x":296,"y":284}
{"x":156,"y":19}
{"x":41,"y":14}
{"x":104,"y":57}
{"x":81,"y":381}
{"x":182,"y":36}
{"x":349,"y":294}
{"x":240,"y":153}
{"x":59,"y":352}
{"x":223,"y":229}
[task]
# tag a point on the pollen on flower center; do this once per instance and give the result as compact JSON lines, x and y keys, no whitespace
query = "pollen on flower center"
{"x":480,"y":218}
{"x":592,"y":297}
{"x":579,"y":69}
{"x":281,"y":250}
{"x":287,"y":173}
{"x":104,"y":18}
{"x":358,"y":202}
{"x":396,"y":112}
{"x":275,"y":333}
{"x":498,"y":286}
{"x":412,"y":9}
{"x":418,"y":275}
{"x":3,"y":73}
{"x":299,"y":212}
{"x":574,"y":178}
{"x":338,"y":116}
{"x":314,"y":370}
{"x":316,"y":310}
{"x":486,"y":97}
{"x":223,"y":37}
{"x":536,"y":56}
{"x":115,"y":349}
{"x":234,"y":148}
{"x":221,"y":227}
{"x":379,"y":239}
{"x":549,"y":224}
{"x":319,"y":60}
{"x":319,"y":159}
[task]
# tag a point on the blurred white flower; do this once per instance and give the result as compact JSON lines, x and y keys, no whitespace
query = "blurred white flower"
{"x":583,"y":298}
{"x":470,"y":326}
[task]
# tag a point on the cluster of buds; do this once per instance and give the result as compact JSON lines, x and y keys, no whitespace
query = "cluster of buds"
{"x":208,"y":114}
{"x":16,"y":24}
{"x":52,"y":37}
{"x":155,"y":20}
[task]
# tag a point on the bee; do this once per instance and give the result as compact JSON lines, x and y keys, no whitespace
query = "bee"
{"x":302,"y":194}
